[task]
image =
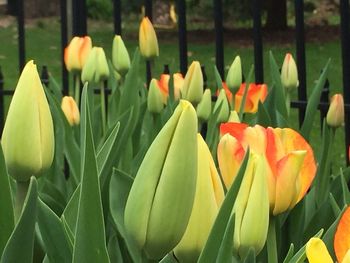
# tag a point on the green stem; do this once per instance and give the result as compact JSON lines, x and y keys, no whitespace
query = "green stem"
{"x":288,"y":102}
{"x":77,"y":88}
{"x":271,"y":242}
{"x":103,"y":107}
{"x":21,"y":193}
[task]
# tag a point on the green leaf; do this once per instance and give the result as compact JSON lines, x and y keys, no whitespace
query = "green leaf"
{"x":212,"y":246}
{"x":7,"y":221}
{"x":218,"y":79}
{"x":114,"y":250}
{"x":19,"y":247}
{"x":244,"y":99}
{"x":90,"y":240}
{"x":345,"y":189}
{"x":225,"y":251}
{"x":313,"y":102}
{"x":57,"y":247}
{"x":250,"y":258}
{"x":168,"y":259}
{"x":263,"y":116}
{"x":70,"y":213}
{"x":289,"y":254}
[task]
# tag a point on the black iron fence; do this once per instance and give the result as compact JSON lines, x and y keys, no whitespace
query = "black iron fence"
{"x":80,"y":29}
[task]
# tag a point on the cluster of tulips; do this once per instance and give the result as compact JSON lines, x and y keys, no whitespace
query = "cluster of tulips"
{"x":164,"y":173}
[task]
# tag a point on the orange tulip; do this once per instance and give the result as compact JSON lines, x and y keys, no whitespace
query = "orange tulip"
{"x":290,"y":159}
{"x":342,"y":236}
{"x":76,"y":53}
{"x":70,"y":110}
{"x":256,"y":93}
{"x":163,"y":84}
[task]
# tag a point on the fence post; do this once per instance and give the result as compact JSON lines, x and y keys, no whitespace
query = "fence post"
{"x":205,"y":78}
{"x":300,"y":55}
{"x":21,"y":34}
{"x":45,"y":79}
{"x":258,"y":45}
{"x":117,"y":11}
{"x":64,"y":42}
{"x":345,"y":45}
{"x":79,"y":18}
{"x":2,"y":102}
{"x":219,"y":37}
{"x":182,"y":31}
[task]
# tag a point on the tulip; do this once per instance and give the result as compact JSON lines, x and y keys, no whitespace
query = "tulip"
{"x":154,"y":98}
{"x":96,"y":68}
{"x":252,"y":208}
{"x":316,"y":251}
{"x":289,"y":73}
{"x":70,"y":110}
{"x":204,"y":107}
{"x":208,"y":198}
{"x":255,"y":94}
{"x":234,"y":75}
{"x":342,"y":237}
{"x":76,"y":53}
{"x":120,"y":56}
{"x":178,"y":83}
{"x":290,"y":159}
{"x":233,"y":117}
{"x":148,"y":40}
{"x":28,"y":135}
{"x":161,"y":198}
{"x":192,"y":89}
{"x":224,"y":111}
{"x":335,"y":114}
{"x":163,"y":85}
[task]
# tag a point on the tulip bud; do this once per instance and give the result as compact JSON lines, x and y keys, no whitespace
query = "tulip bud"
{"x":224,"y":110}
{"x":204,"y":107}
{"x":316,"y":251}
{"x":178,"y":83}
{"x":120,"y":56}
{"x":28,"y":135}
{"x":70,"y":110}
{"x":76,"y":53}
{"x":289,"y":73}
{"x":207,"y":202}
{"x":148,"y":40}
{"x":233,"y":117}
{"x":96,"y":68}
{"x":161,"y":198}
{"x":154,"y":98}
{"x":192,"y":89}
{"x":335,"y":114}
{"x":234,"y":74}
{"x":252,"y":203}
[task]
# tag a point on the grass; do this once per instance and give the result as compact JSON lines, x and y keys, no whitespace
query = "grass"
{"x":43,"y":45}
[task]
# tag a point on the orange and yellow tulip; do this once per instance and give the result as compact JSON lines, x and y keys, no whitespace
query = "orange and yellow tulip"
{"x":335,"y":114}
{"x":70,"y":110}
{"x":290,"y":159}
{"x":256,"y":93}
{"x":342,"y":238}
{"x":76,"y":53}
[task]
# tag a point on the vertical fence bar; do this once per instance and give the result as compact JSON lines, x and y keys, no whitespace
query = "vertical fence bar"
{"x":300,"y":54}
{"x":324,"y":100}
{"x":148,"y":13}
{"x":64,"y":42}
{"x":345,"y":46}
{"x":21,"y":34}
{"x":45,"y":79}
{"x":219,"y":37}
{"x":258,"y":45}
{"x":182,"y":34}
{"x":117,"y":11}
{"x":2,"y":101}
{"x":79,"y":18}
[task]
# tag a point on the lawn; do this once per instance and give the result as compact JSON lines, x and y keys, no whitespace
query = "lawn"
{"x":43,"y":45}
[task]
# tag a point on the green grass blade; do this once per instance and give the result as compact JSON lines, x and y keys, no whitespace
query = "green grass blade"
{"x":19,"y":248}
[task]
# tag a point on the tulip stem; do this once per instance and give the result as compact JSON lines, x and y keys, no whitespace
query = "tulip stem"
{"x":271,"y":242}
{"x":77,"y":89}
{"x":288,"y":102}
{"x":21,"y":193}
{"x":103,"y":107}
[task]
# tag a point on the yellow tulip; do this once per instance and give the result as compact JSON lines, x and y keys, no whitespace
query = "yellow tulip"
{"x":76,"y":53}
{"x":316,"y":251}
{"x":70,"y":110}
{"x":120,"y":56}
{"x":28,"y":135}
{"x":335,"y":114}
{"x":148,"y":39}
{"x":192,"y":88}
{"x":154,"y":98}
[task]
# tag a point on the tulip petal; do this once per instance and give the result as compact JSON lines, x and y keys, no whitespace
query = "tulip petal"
{"x":342,"y":236}
{"x":316,"y":251}
{"x":233,"y":128}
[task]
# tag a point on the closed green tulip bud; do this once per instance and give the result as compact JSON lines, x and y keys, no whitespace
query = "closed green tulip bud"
{"x":289,"y":73}
{"x":28,"y":136}
{"x":154,"y":98}
{"x":204,"y":107}
{"x":161,"y":198}
{"x":207,"y":202}
{"x":335,"y":114}
{"x":234,"y":75}
{"x":120,"y":56}
{"x":252,"y":208}
{"x":225,"y":108}
{"x":192,"y":88}
{"x":148,"y":40}
{"x":96,"y":68}
{"x":233,"y":117}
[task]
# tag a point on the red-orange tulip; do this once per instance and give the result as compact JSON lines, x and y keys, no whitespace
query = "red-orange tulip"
{"x":76,"y":53}
{"x":256,"y":93}
{"x":342,"y":236}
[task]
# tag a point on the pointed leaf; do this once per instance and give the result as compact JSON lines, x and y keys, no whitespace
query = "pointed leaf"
{"x":225,"y":252}
{"x":289,"y":254}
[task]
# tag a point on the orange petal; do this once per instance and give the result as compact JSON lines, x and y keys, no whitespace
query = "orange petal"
{"x":342,"y":236}
{"x":85,"y":48}
{"x":233,"y":128}
{"x":228,"y":92}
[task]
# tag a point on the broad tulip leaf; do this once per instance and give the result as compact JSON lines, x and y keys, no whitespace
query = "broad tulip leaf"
{"x":244,"y":99}
{"x":57,"y":247}
{"x":90,"y":244}
{"x":7,"y":221}
{"x":19,"y":247}
{"x":250,"y":258}
{"x":263,"y":117}
{"x":335,"y":207}
{"x":70,"y":213}
{"x":211,"y":249}
{"x":169,"y":258}
{"x":313,"y":102}
{"x":346,"y":193}
{"x":289,"y":254}
{"x":218,"y":79}
{"x":225,"y":251}
{"x":114,"y":250}
{"x":68,"y":232}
